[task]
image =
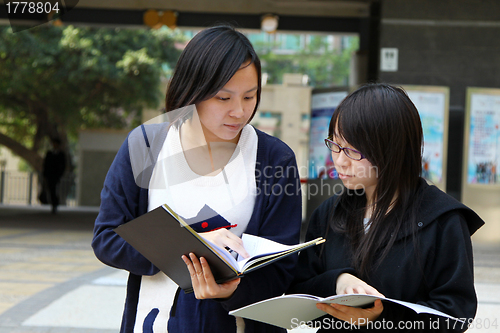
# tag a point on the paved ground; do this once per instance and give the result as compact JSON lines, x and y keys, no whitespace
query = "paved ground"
{"x":50,"y":280}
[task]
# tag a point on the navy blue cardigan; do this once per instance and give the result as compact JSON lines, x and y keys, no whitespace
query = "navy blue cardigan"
{"x":276,"y":216}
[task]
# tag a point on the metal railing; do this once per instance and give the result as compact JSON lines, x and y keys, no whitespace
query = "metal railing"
{"x":22,"y":188}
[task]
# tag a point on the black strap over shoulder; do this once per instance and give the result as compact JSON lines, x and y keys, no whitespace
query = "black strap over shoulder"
{"x":145,"y":135}
{"x":145,"y":144}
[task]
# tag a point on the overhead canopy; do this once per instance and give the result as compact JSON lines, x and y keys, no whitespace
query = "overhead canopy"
{"x":360,"y":17}
{"x":337,"y":8}
{"x":304,"y":15}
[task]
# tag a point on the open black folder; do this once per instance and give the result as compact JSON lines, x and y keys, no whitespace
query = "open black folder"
{"x":163,"y":237}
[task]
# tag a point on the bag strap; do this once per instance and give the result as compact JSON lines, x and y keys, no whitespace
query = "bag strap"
{"x":145,"y":158}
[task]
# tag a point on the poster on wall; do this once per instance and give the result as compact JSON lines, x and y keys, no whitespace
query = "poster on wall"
{"x":432,"y":105}
{"x":320,"y":164}
{"x":483,"y":136}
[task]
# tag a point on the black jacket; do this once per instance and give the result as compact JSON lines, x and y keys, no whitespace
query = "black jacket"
{"x":439,"y":274}
{"x":54,"y":165}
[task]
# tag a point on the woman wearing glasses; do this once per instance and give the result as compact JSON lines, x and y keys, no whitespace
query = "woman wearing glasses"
{"x":389,"y":232}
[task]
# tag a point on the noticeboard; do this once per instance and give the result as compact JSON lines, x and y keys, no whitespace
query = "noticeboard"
{"x":481,"y":158}
{"x":323,"y":104}
{"x":322,"y":180}
{"x":432,"y":103}
{"x":482,"y":137}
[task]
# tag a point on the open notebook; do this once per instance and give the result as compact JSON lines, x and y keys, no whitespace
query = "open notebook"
{"x":288,"y":311}
{"x":163,"y":237}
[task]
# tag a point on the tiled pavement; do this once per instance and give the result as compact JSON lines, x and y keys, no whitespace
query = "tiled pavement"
{"x":50,"y":280}
{"x":43,"y":259}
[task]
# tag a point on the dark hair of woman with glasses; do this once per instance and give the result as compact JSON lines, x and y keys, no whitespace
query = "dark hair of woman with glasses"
{"x":388,"y":233}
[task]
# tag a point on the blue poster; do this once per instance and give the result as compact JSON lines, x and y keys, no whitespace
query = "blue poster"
{"x":484,"y":139}
{"x":431,"y":106}
{"x":320,"y":164}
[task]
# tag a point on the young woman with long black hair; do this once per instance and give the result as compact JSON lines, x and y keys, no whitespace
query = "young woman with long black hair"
{"x":216,"y":171}
{"x":389,"y":233}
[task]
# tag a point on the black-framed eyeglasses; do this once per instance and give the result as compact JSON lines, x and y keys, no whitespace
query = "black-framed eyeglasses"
{"x":349,"y":152}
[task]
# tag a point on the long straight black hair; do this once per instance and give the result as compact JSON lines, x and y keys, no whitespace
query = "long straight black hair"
{"x":207,"y":63}
{"x":382,"y":123}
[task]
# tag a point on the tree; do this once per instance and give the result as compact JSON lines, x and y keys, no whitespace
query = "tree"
{"x":57,"y":80}
{"x":325,"y":66}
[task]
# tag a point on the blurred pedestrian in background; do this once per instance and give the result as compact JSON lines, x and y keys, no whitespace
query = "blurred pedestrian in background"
{"x":54,"y":165}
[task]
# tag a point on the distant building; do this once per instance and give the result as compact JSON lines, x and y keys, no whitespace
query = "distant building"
{"x":8,"y":161}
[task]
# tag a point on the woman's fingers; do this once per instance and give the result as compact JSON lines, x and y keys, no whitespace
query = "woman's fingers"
{"x":207,"y":272}
{"x":203,"y":281}
{"x":237,"y":246}
{"x":189,"y":265}
{"x":192,"y":273}
{"x":197,"y":266}
{"x":225,"y":238}
{"x":349,"y":284}
{"x":349,"y":290}
{"x":372,"y":291}
{"x":352,"y":314}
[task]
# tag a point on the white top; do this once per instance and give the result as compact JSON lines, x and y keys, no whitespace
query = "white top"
{"x":231,"y":193}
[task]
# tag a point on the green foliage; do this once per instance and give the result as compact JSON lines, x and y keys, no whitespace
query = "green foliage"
{"x":24,"y":166}
{"x":325,"y":66}
{"x":55,"y":81}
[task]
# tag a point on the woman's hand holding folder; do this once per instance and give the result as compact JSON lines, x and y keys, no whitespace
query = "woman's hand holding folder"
{"x":202,"y":279}
{"x":349,"y":284}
